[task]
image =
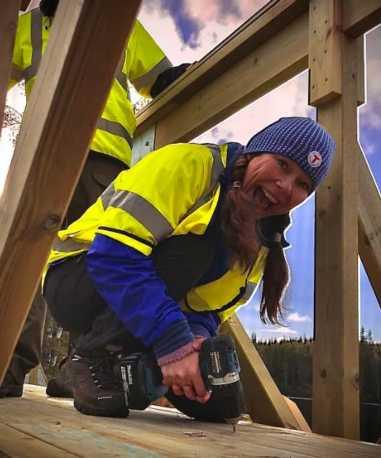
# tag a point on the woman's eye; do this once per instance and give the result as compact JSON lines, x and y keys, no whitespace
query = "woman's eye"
{"x":305,"y":186}
{"x":283,"y":164}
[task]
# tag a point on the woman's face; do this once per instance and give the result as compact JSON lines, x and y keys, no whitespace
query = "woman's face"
{"x":276,"y":183}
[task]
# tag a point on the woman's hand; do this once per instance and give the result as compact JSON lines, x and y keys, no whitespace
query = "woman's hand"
{"x":184,"y":377}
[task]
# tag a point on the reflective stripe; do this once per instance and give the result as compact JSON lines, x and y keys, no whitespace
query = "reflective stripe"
{"x":144,"y":212}
{"x":114,"y":128}
{"x":107,"y":194}
{"x":250,"y":288}
{"x":68,"y":245}
{"x":36,"y":42}
{"x":217,"y":169}
{"x":121,"y":77}
{"x":147,"y":80}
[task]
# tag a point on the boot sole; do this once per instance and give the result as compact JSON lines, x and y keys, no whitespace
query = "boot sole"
{"x":55,"y":390}
{"x":123,"y":412}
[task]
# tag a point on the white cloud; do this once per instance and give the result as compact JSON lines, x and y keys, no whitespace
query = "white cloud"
{"x":289,"y":99}
{"x":371,"y":111}
{"x":278,"y":330}
{"x":295,"y":317}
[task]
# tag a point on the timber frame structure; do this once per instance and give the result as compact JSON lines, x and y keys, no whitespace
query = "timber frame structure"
{"x":280,"y":41}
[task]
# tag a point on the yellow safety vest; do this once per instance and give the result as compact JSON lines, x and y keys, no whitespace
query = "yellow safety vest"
{"x":142,"y":62}
{"x":172,"y":191}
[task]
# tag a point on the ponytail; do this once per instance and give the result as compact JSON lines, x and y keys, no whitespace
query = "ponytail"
{"x":275,"y":280}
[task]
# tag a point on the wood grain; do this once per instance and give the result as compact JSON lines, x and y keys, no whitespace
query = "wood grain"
{"x":72,"y":84}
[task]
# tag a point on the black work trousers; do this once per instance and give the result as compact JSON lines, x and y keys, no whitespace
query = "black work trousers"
{"x":75,"y":304}
{"x":99,"y":171}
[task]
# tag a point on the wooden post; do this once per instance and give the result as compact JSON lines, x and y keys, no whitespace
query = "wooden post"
{"x":335,"y":358}
{"x":87,"y":39}
{"x":8,"y":25}
{"x":264,"y":402}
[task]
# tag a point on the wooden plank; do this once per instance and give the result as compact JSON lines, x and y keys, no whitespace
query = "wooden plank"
{"x":369,"y":225}
{"x":264,"y":402}
{"x":8,"y":25}
{"x":335,"y":404}
{"x":15,"y":443}
{"x":324,"y":51}
{"x":302,"y":422}
{"x":266,"y":67}
{"x":361,"y":16}
{"x":72,"y":84}
{"x":261,"y":28}
{"x":360,"y":74}
{"x":161,"y":432}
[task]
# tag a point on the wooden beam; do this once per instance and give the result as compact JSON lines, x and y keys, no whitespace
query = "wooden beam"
{"x":75,"y":76}
{"x":359,"y":16}
{"x":324,"y":51}
{"x":250,"y":52}
{"x":265,"y":68}
{"x":335,"y":403}
{"x":264,"y":402}
{"x":369,"y":225}
{"x":360,"y":80}
{"x":8,"y":25}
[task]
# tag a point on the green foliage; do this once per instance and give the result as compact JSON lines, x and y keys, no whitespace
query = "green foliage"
{"x":290,"y":364}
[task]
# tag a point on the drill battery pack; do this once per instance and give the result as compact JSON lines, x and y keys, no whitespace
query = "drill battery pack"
{"x":142,"y":380}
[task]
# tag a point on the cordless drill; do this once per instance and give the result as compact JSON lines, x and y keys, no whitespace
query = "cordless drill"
{"x":219,"y":367}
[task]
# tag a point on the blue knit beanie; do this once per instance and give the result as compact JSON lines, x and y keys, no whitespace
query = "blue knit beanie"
{"x":300,"y":139}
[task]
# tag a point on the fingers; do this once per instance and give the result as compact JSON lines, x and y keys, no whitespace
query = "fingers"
{"x":202,"y":395}
{"x":177,"y":390}
{"x":185,"y":379}
{"x":189,"y":392}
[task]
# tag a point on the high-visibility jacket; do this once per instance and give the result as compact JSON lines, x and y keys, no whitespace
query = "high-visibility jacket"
{"x":172,"y":191}
{"x":141,"y":63}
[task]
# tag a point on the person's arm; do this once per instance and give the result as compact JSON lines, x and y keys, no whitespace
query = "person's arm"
{"x":153,"y":317}
{"x":128,"y":282}
{"x":146,"y":66}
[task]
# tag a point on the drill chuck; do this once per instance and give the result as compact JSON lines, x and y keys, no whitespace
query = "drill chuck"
{"x":220,"y":371}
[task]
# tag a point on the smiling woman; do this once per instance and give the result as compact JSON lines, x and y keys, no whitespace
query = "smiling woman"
{"x":171,"y":249}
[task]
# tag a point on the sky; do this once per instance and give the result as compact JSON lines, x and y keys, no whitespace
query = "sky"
{"x":188,"y":29}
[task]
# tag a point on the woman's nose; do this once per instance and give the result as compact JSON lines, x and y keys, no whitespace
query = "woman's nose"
{"x":285,"y":185}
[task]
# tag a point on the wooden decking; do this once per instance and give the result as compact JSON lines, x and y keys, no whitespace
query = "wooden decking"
{"x":35,"y":426}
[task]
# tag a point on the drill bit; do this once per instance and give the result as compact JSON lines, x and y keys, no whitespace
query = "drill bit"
{"x":233,"y":422}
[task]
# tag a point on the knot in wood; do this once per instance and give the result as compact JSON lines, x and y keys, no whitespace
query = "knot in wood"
{"x":52,"y":223}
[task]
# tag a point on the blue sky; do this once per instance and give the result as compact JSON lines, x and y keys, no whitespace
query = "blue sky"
{"x":192,"y":29}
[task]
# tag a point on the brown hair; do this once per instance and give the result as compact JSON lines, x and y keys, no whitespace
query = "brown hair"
{"x":239,"y":227}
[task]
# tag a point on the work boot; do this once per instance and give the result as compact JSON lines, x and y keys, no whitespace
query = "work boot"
{"x":11,"y":388}
{"x":97,"y":389}
{"x":61,"y":386}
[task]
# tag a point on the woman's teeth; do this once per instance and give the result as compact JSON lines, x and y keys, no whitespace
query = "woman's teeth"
{"x":262,"y":199}
{"x":270,"y":197}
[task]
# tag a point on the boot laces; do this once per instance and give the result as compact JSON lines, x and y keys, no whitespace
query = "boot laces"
{"x":101,"y":369}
